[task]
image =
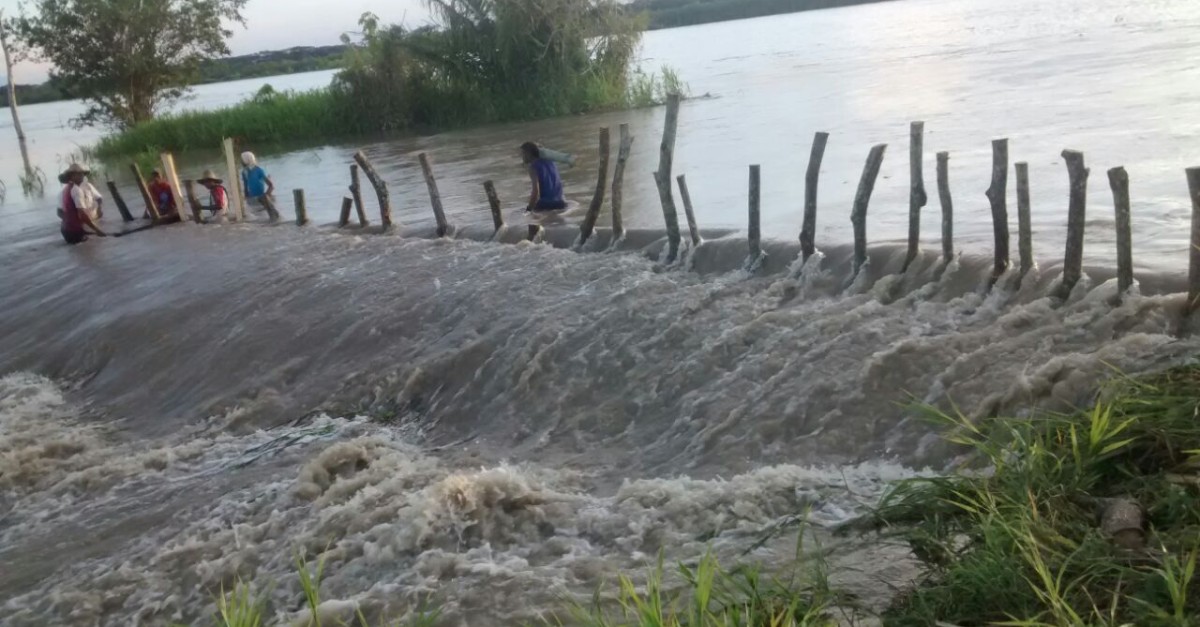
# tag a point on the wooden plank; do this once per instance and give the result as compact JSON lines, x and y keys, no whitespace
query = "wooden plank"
{"x":151,"y":204}
{"x":172,"y":176}
{"x":237,"y":201}
{"x":119,"y":202}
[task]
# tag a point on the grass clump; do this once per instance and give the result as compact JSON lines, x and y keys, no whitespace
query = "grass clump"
{"x":1022,"y":537}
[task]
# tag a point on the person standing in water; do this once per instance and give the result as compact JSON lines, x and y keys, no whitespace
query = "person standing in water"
{"x":74,"y":215}
{"x":257,"y":184}
{"x":160,"y":191}
{"x":547,"y":188}
{"x":218,"y":196}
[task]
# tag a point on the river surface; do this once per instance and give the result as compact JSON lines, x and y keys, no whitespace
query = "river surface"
{"x":494,"y":427}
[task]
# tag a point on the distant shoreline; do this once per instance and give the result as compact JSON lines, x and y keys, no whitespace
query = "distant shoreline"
{"x":661,"y":15}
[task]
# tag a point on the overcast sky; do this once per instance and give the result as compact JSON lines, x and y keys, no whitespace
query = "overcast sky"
{"x":274,"y":24}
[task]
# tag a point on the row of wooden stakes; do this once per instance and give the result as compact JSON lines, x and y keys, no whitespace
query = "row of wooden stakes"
{"x":996,"y":193}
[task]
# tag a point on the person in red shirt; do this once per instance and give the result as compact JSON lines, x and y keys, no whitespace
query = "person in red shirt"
{"x":160,"y":191}
{"x":218,"y":196}
{"x":74,"y":218}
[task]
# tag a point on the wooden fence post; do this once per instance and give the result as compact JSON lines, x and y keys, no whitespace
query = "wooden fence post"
{"x":858,"y":216}
{"x":808,"y":231}
{"x":344,"y":216}
{"x":754,"y":228}
{"x":119,"y":202}
{"x":593,"y":213}
{"x":916,"y":195}
{"x":301,"y":209}
{"x":237,"y":201}
{"x":435,"y":198}
{"x":1193,"y":179}
{"x":624,"y":148}
{"x":1118,"y":179}
{"x":381,"y":190}
{"x":193,"y":202}
{"x":151,"y":202}
{"x":662,"y":177}
{"x":997,"y":194}
{"x":356,"y":195}
{"x":1076,"y":217}
{"x":688,"y":211}
{"x":534,"y":231}
{"x":172,"y":176}
{"x":1024,"y":220}
{"x":943,"y":182}
{"x":494,"y":204}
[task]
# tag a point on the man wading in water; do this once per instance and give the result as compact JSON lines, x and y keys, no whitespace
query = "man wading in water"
{"x":547,"y":191}
{"x":257,"y":185}
{"x":75,"y":203}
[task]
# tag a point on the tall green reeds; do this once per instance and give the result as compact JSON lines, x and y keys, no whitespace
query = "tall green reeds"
{"x":1018,"y":540}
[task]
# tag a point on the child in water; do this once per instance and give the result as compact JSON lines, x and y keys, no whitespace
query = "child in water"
{"x":547,"y":188}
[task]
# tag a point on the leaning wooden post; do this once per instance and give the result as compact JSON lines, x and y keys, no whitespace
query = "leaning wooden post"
{"x":754,"y":228}
{"x":1118,"y":179}
{"x":1024,"y":223}
{"x":435,"y":197}
{"x":151,"y":205}
{"x":344,"y":216}
{"x":916,"y":194}
{"x":534,"y":231}
{"x":494,"y":203}
{"x":1076,"y":216}
{"x":193,"y":202}
{"x":688,"y":211}
{"x":662,"y":177}
{"x":858,"y":216}
{"x":381,"y":190}
{"x":943,"y":183}
{"x":301,"y":209}
{"x":593,"y":213}
{"x":808,"y":232}
{"x":238,"y":201}
{"x":997,"y":194}
{"x":172,"y":176}
{"x":356,"y":194}
{"x":1193,"y":178}
{"x":624,"y":148}
{"x":120,"y":202}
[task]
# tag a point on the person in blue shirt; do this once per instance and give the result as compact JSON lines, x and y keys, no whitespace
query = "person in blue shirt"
{"x":547,"y":188}
{"x":257,"y":184}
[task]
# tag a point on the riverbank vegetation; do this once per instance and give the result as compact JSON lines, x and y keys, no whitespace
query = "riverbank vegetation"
{"x":481,"y":63}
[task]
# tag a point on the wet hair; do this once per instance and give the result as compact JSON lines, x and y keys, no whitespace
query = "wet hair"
{"x":530,"y":150}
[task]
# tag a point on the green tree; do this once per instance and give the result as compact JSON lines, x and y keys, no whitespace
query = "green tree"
{"x":128,"y":58}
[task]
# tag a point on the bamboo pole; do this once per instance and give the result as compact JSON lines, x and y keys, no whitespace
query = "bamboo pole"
{"x":593,"y":213}
{"x":858,"y":216}
{"x":356,"y":194}
{"x":624,"y":148}
{"x":688,"y":211}
{"x":997,"y":194}
{"x":172,"y":176}
{"x":119,"y":202}
{"x":381,"y":190}
{"x":1024,"y":220}
{"x":1118,"y":180}
{"x":193,"y":202}
{"x":435,"y":197}
{"x":151,"y":205}
{"x":1193,"y":179}
{"x":1076,"y":217}
{"x":662,"y":177}
{"x":754,"y":228}
{"x":494,"y":203}
{"x":235,"y":186}
{"x":808,"y":232}
{"x":301,"y":208}
{"x":943,"y":183}
{"x":916,"y":195}
{"x":344,"y":217}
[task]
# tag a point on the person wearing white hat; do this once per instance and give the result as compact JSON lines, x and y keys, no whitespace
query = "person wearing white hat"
{"x":75,"y":217}
{"x":218,"y":196}
{"x":257,"y":184}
